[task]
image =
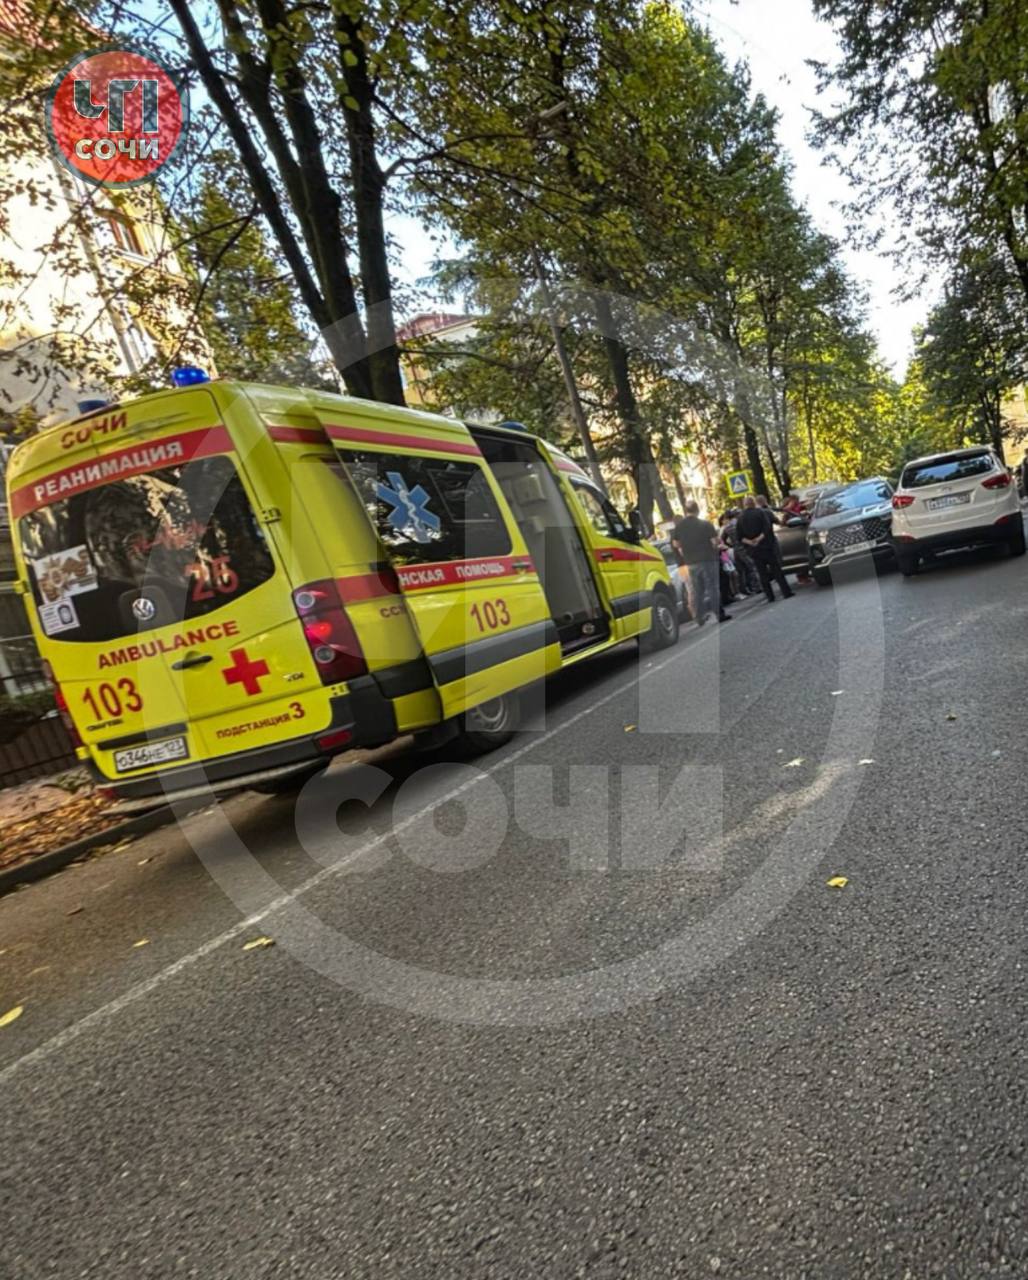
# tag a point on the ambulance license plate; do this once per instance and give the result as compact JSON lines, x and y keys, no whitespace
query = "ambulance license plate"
{"x":150,"y":753}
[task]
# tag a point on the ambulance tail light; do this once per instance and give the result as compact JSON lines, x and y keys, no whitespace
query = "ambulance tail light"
{"x":329,"y":632}
{"x":62,"y":706}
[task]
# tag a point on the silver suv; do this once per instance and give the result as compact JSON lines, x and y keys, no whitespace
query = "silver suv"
{"x":853,"y":520}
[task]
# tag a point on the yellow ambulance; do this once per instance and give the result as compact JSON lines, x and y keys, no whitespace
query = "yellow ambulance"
{"x":231,"y":583}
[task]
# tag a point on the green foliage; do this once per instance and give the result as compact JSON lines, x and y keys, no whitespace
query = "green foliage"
{"x":247,"y":306}
{"x":933,"y":125}
{"x":974,"y":349}
{"x":651,"y":182}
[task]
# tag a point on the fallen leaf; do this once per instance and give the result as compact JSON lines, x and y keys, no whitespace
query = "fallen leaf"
{"x":11,"y":1014}
{"x":74,"y":911}
{"x":950,"y":715}
{"x":258,"y":942}
{"x":143,"y":942}
{"x":629,"y":728}
{"x":867,"y":761}
{"x":837,"y":882}
{"x":793,"y":764}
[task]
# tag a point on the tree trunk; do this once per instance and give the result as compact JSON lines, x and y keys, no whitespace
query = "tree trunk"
{"x":994,"y":417}
{"x":368,"y":188}
{"x":678,"y":488}
{"x":567,"y":371}
{"x":808,"y":415}
{"x":749,"y":437}
{"x":355,"y":374}
{"x":640,"y":454}
{"x":302,"y":166}
{"x":1012,"y":238}
{"x":773,"y":460}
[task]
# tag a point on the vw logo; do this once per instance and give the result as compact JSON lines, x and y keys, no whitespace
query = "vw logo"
{"x":143,"y":609}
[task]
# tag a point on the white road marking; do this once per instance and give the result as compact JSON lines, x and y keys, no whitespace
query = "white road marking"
{"x":76,"y":1029}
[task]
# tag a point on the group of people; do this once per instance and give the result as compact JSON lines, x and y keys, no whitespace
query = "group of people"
{"x":740,"y":557}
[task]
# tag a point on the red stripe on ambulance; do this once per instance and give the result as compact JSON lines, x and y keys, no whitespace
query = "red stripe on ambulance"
{"x":169,"y":451}
{"x":428,"y":444}
{"x":623,"y":553}
{"x":298,"y":435}
{"x":422,"y":576}
{"x":367,"y":586}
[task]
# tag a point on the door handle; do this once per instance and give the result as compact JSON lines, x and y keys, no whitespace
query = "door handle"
{"x":523,"y":566}
{"x":606,"y":555}
{"x":192,"y":660}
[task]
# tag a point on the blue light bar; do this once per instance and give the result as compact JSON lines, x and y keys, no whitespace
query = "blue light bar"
{"x":511,"y":425}
{"x":188,"y":375}
{"x":91,"y":406}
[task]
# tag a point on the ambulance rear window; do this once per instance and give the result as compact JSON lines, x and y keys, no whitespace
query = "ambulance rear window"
{"x":145,"y":551}
{"x":429,"y":509}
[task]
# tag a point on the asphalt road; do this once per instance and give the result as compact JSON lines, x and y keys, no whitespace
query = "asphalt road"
{"x":595,"y":1014}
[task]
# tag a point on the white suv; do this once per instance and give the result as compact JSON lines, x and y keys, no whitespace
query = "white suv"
{"x":959,"y":499}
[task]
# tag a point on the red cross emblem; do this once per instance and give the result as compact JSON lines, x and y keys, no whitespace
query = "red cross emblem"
{"x":245,"y":672}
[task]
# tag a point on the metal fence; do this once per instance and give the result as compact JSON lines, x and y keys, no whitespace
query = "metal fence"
{"x":30,"y":747}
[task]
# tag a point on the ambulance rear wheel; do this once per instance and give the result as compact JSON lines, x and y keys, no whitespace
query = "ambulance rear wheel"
{"x":490,"y":725}
{"x":663,"y":632}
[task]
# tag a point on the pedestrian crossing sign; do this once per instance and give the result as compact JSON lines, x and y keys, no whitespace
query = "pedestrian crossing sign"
{"x":739,"y":483}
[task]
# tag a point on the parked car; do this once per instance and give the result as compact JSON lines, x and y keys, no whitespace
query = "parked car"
{"x":966,"y":498}
{"x":677,"y":580}
{"x":851,"y":521}
{"x":792,"y":540}
{"x":792,"y":531}
{"x":813,"y":492}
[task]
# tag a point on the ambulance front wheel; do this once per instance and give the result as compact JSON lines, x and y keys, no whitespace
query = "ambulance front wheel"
{"x":486,"y":727}
{"x":663,"y":632}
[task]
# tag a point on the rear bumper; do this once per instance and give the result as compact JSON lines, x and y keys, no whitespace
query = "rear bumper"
{"x":952,"y":539}
{"x":363,"y":717}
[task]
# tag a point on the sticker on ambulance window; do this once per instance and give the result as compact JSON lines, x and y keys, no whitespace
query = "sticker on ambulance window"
{"x":187,"y":533}
{"x":58,"y":615}
{"x":65,"y":573}
{"x":428,"y":510}
{"x":410,"y":512}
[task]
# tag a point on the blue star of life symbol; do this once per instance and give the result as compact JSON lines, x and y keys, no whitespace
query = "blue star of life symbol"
{"x":410,"y":511}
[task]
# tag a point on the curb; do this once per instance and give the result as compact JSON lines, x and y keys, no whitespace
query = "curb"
{"x":46,"y":863}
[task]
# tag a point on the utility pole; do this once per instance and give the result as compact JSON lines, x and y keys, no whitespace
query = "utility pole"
{"x":577,"y":412}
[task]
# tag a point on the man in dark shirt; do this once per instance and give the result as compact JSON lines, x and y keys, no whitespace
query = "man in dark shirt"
{"x":756,"y":530}
{"x":695,"y":542}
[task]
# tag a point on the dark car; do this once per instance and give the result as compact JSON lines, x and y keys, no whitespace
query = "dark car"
{"x":791,"y":532}
{"x":792,"y":528}
{"x":852,"y":521}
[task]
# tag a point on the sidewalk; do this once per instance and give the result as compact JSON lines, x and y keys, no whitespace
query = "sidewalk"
{"x":47,"y":813}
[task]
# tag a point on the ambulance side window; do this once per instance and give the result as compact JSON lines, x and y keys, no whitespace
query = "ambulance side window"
{"x":600,"y":511}
{"x":429,"y":509}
